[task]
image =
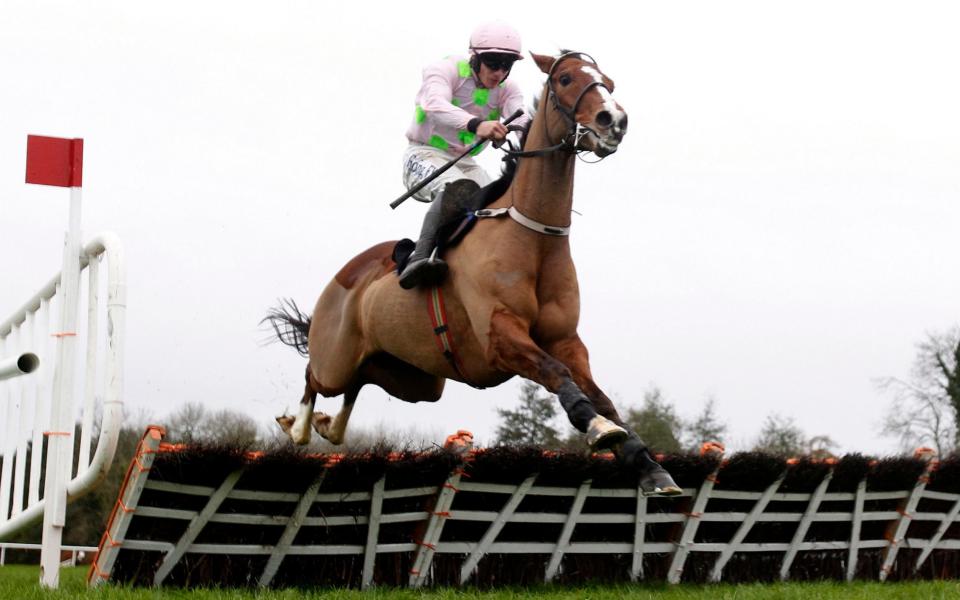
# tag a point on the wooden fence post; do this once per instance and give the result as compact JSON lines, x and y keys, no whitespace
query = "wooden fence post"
{"x":898,"y":531}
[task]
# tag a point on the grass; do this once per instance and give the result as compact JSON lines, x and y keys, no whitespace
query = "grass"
{"x":20,"y":583}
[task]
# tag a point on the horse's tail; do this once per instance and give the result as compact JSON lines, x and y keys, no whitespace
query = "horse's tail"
{"x":291,"y":326}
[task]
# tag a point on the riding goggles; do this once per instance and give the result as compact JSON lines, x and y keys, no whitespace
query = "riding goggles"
{"x":498,"y":62}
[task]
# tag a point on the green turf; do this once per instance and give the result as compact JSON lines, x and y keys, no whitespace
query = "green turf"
{"x":20,"y":582}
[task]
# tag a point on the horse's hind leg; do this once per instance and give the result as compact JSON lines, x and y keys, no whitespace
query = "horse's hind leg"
{"x":333,"y":429}
{"x":397,"y":378}
{"x":299,"y":427}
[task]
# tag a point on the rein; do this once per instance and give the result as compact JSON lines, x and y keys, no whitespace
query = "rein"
{"x":575,"y":131}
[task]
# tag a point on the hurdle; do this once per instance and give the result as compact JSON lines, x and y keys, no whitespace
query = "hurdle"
{"x":196,"y":516}
{"x":38,"y":347}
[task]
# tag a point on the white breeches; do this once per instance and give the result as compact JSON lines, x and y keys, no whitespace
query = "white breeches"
{"x":420,"y":161}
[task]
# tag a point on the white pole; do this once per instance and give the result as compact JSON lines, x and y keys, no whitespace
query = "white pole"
{"x":26,"y":390}
{"x":89,"y":384}
{"x":40,"y":399}
{"x":19,"y":364}
{"x":6,"y":441}
{"x":60,"y":436}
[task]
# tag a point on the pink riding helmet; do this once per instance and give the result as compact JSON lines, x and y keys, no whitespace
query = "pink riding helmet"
{"x":495,"y":37}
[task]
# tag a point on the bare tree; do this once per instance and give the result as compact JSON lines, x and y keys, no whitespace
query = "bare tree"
{"x":781,"y":436}
{"x":186,"y":424}
{"x":192,"y":423}
{"x":231,"y":428}
{"x":706,"y":427}
{"x":918,"y":418}
{"x":926,"y":407}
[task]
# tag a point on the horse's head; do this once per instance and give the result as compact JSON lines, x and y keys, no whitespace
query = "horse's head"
{"x":582,"y":97}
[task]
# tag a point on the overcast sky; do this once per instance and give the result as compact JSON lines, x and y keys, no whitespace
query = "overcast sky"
{"x":777,"y":230}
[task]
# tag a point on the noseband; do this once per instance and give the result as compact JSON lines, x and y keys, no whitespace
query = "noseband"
{"x":575,"y":130}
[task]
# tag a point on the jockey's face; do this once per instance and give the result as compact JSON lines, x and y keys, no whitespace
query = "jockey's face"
{"x":490,"y":79}
{"x":494,"y":68}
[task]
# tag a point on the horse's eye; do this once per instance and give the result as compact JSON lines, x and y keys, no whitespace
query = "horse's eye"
{"x":565,"y":80}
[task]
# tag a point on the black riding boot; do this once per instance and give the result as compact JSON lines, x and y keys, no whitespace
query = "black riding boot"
{"x":423,"y":268}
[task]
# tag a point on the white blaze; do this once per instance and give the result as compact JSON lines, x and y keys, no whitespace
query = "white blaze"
{"x":609,"y":104}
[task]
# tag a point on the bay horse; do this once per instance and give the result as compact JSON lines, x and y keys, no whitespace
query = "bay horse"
{"x":512,"y":302}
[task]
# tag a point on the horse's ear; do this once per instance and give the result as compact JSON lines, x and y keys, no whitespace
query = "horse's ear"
{"x":543,"y":61}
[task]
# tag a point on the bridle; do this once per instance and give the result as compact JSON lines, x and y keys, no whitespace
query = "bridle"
{"x":570,"y":143}
{"x":575,"y":131}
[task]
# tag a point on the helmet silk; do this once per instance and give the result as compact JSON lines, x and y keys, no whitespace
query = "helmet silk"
{"x":495,"y":37}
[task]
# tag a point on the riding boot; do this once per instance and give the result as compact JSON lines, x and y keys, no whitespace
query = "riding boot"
{"x":423,"y":266}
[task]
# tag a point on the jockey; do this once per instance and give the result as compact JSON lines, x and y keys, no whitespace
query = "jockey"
{"x":460,"y":101}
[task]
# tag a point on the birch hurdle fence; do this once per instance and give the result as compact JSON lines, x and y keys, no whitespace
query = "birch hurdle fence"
{"x":38,"y":410}
{"x":208,"y":516}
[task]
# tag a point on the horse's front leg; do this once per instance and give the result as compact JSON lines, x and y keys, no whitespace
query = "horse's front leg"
{"x":511,"y":349}
{"x":633,"y":452}
{"x":573,"y":354}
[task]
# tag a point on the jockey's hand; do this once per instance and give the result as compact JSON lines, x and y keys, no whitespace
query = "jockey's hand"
{"x":492,"y":130}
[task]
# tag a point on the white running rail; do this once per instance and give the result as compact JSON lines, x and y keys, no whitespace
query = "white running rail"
{"x":29,"y":406}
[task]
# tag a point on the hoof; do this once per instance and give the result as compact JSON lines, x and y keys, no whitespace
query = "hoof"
{"x":300,"y":436}
{"x":335,"y":440}
{"x":658,"y":482}
{"x":604,"y":434}
{"x":321,"y":422}
{"x":285,"y":423}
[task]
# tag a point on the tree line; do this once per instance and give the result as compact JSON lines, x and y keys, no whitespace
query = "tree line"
{"x":537,"y":421}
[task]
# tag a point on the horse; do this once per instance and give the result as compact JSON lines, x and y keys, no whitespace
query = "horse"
{"x":511,"y":302}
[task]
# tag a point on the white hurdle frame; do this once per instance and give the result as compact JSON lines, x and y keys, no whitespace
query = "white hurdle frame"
{"x":440,"y":508}
{"x":41,"y":404}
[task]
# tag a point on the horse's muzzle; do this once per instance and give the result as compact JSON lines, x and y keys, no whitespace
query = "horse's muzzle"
{"x":609,"y":129}
{"x":605,"y":147}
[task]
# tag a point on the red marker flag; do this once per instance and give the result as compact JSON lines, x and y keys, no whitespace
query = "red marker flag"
{"x":54,"y":161}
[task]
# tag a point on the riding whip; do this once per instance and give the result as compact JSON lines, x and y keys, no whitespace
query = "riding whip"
{"x":444,"y":168}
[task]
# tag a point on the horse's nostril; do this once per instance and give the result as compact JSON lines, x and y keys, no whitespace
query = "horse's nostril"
{"x":603,"y":119}
{"x":623,"y":123}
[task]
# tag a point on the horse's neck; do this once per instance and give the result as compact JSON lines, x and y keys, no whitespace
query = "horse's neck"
{"x":543,"y":187}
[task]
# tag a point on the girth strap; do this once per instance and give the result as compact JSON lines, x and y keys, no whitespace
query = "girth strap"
{"x":441,"y":329}
{"x":524,"y":220}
